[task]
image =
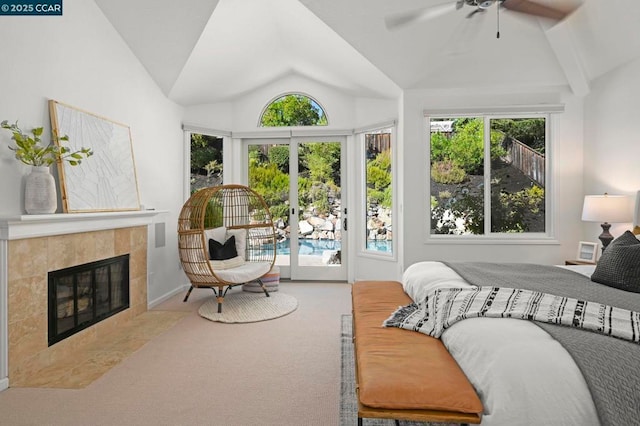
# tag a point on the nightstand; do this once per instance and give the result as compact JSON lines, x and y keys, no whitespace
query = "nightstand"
{"x":578,"y":262}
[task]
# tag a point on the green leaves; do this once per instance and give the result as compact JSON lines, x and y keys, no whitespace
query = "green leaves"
{"x":30,"y":150}
{"x":293,"y":110}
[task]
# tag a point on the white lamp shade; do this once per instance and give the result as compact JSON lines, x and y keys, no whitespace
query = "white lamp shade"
{"x":607,"y":208}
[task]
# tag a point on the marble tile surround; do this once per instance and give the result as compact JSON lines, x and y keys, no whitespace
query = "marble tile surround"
{"x":30,"y":260}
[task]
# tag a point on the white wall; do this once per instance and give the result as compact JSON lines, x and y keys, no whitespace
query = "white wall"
{"x":612,"y":139}
{"x":243,"y":113}
{"x":566,"y":155}
{"x":79,"y":59}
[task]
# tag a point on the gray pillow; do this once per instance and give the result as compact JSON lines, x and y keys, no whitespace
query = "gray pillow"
{"x":619,"y":265}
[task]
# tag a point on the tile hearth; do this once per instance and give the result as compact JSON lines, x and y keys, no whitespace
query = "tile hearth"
{"x":93,"y":360}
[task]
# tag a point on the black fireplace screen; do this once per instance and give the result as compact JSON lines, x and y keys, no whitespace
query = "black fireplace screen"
{"x":83,"y":295}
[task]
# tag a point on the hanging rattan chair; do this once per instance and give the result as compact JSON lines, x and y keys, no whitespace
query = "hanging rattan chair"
{"x":219,"y":213}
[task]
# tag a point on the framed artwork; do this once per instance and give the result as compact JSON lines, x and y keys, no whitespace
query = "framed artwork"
{"x":587,"y":252}
{"x":106,"y":181}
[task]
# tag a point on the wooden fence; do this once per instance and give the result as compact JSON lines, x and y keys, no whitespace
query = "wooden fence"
{"x":528,"y":161}
{"x":377,"y":142}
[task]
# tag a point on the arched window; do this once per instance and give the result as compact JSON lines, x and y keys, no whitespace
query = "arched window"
{"x":293,"y":109}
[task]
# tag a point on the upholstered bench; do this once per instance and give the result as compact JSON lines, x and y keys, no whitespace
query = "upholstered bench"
{"x":402,"y":374}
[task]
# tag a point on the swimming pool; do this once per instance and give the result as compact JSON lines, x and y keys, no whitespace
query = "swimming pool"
{"x":308,"y":247}
{"x":317,"y":247}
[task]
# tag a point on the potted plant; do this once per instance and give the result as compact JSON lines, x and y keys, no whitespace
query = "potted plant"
{"x":40,"y":195}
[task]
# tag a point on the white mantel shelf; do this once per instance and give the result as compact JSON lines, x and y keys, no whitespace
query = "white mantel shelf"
{"x":32,"y":226}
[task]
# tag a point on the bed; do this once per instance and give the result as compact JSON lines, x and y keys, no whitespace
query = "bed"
{"x":521,"y":371}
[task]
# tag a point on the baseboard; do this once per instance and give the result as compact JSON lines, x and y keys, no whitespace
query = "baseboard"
{"x":167,"y":296}
{"x":4,"y":384}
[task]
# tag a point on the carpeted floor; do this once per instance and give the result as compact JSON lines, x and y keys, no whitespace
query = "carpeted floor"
{"x":348,"y":402}
{"x":282,"y":372}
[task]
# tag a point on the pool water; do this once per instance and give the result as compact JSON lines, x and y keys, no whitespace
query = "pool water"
{"x":317,"y":247}
{"x":308,"y":247}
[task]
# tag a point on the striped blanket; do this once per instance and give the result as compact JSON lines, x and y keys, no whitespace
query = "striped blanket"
{"x":444,"y":307}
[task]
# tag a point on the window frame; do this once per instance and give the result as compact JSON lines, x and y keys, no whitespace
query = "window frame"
{"x":187,"y":131}
{"x":284,"y":95}
{"x":360,"y":234}
{"x":549,"y":236}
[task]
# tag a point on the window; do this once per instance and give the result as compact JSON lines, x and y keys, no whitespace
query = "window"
{"x":488,"y":174}
{"x":206,"y":161}
{"x":294,"y":109}
{"x":379,"y":195}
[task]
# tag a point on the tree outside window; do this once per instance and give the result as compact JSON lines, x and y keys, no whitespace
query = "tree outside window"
{"x":293,"y":110}
{"x":515,"y":171}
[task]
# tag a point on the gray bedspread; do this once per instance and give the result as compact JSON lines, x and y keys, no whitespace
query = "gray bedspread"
{"x":610,"y":366}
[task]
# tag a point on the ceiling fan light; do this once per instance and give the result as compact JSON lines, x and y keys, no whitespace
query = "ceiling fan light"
{"x":485,"y":4}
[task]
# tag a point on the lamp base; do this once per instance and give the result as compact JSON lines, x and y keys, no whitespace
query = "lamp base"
{"x":606,"y":236}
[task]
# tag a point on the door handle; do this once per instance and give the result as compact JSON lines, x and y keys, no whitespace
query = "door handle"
{"x":344,"y":223}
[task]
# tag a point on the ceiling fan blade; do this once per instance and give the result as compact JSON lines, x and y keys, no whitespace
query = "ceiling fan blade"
{"x":530,"y":7}
{"x":399,"y":21}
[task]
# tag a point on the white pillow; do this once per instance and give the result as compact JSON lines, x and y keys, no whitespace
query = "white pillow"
{"x":234,"y":262}
{"x":217,"y":234}
{"x":241,"y":240}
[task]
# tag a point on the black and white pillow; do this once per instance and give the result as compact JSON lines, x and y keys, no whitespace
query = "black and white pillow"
{"x":219,"y":251}
{"x":619,"y":265}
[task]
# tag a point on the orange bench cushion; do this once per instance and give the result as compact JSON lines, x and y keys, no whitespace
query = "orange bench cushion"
{"x":402,"y":369}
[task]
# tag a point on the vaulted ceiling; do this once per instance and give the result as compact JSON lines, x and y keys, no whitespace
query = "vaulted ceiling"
{"x":207,"y":51}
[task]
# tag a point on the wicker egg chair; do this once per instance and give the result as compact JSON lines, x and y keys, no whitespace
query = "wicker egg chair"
{"x":217,"y":213}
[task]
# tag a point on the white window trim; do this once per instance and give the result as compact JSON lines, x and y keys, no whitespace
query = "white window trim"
{"x":525,"y":238}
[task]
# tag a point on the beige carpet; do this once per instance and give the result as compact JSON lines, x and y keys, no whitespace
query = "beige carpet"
{"x":92,"y":361}
{"x":241,"y":307}
{"x":284,"y":372}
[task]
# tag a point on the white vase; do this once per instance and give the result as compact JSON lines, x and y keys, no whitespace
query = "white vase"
{"x":40,"y":196}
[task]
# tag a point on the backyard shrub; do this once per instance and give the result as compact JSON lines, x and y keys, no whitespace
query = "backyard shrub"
{"x":447,"y":172}
{"x":379,"y":180}
{"x":279,"y":155}
{"x":465,"y":147}
{"x":439,"y":147}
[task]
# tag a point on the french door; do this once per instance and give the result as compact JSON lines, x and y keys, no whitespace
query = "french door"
{"x":301,"y":179}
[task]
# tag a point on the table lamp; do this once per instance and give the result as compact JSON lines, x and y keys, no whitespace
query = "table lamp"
{"x":606,"y":209}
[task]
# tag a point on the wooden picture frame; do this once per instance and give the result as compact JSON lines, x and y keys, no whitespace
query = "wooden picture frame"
{"x":106,"y":181}
{"x":587,"y":251}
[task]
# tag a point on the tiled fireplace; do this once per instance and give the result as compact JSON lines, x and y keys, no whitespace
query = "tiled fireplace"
{"x":33,"y":246}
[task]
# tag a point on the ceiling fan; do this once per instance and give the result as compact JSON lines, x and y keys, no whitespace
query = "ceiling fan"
{"x":527,"y":7}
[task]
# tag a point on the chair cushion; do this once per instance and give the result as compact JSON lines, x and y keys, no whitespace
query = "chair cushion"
{"x":247,"y":272}
{"x":241,"y":241}
{"x":234,"y":262}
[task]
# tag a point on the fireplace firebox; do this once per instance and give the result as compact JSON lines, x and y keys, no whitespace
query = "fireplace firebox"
{"x":84,"y":295}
